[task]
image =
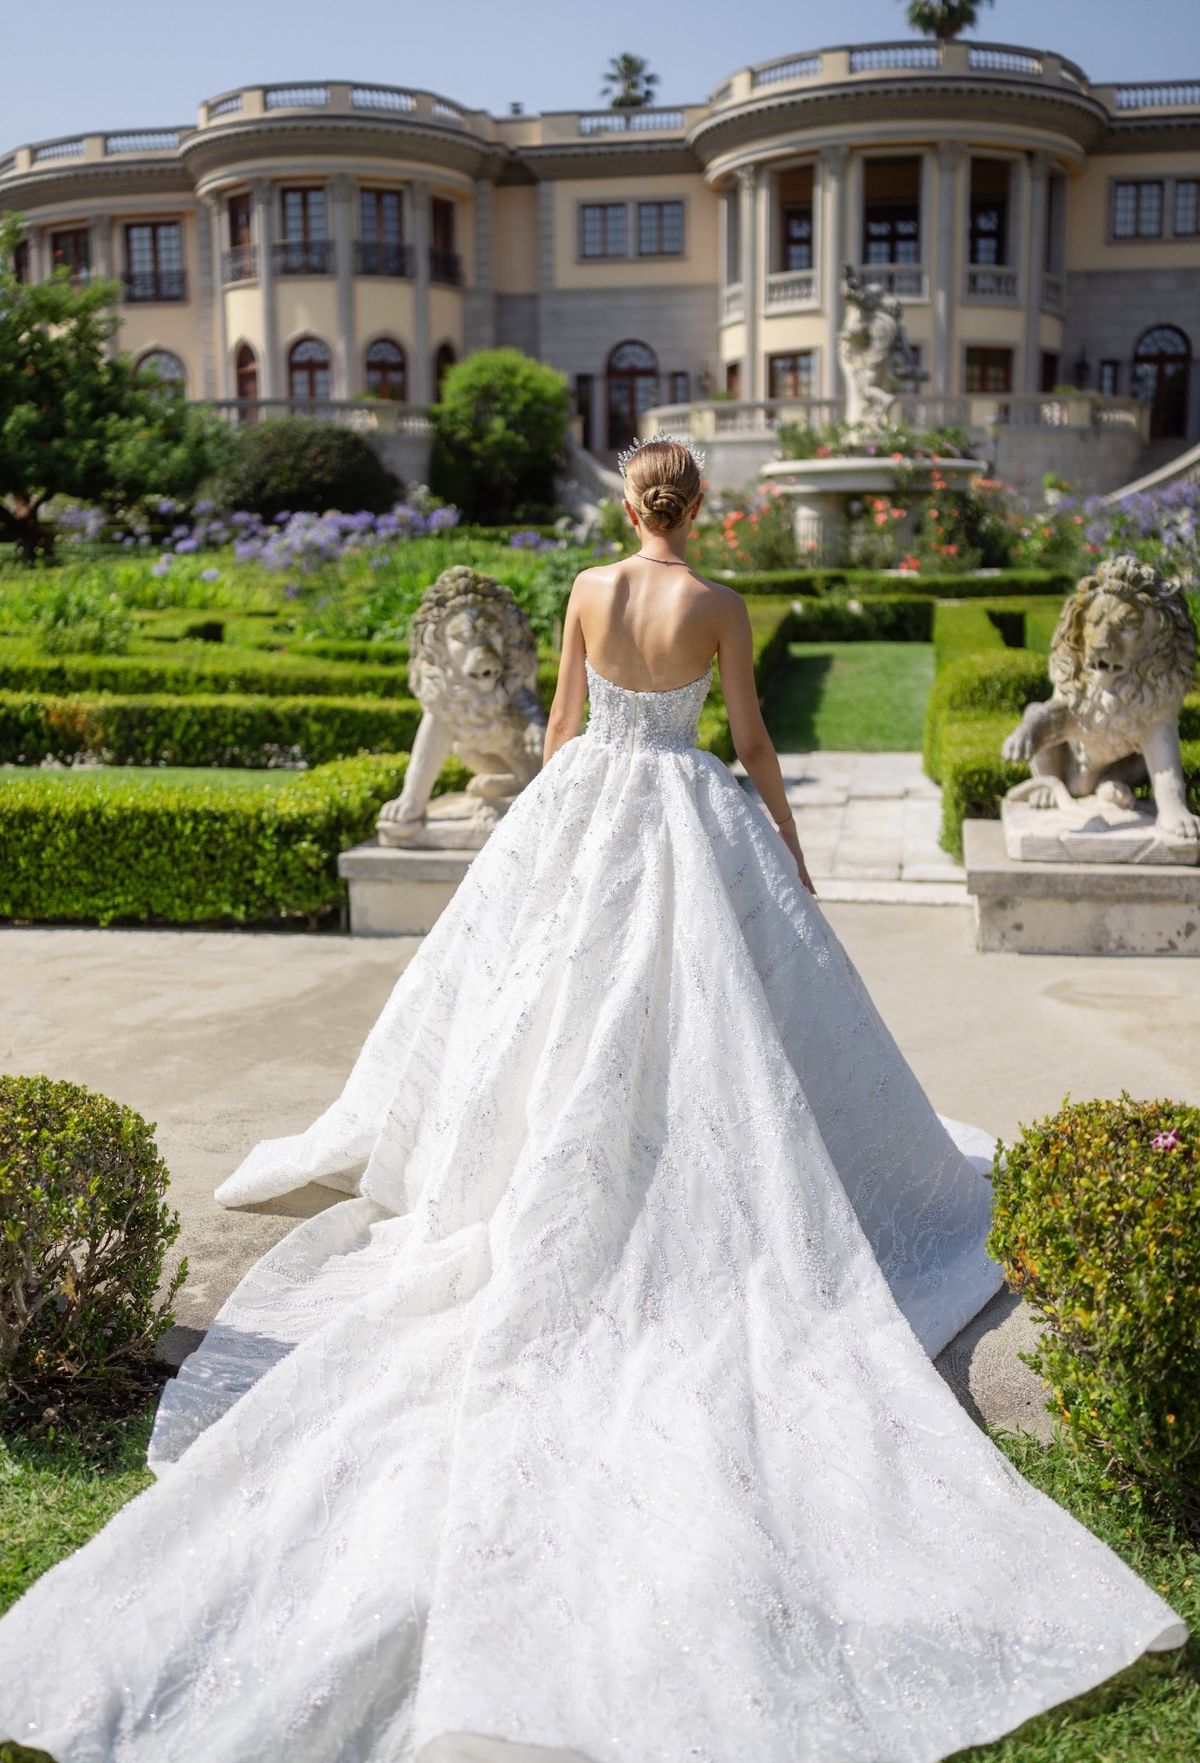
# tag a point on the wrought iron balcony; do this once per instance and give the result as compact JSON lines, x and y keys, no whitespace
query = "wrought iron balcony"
{"x":445,"y":267}
{"x":240,"y":264}
{"x":153,"y":286}
{"x":378,"y":257}
{"x":303,"y":257}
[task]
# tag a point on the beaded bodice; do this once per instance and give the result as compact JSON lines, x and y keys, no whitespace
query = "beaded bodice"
{"x":623,"y":717}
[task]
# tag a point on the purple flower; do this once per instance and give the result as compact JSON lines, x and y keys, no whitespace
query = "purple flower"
{"x":1166,"y":1141}
{"x":205,"y":507}
{"x":162,"y":566}
{"x":187,"y":546}
{"x":210,"y":575}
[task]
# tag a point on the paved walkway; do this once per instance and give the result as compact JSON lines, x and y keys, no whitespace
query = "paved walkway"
{"x":868,"y":825}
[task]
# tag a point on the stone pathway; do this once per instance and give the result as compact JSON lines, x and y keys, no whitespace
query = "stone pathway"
{"x":868,"y":825}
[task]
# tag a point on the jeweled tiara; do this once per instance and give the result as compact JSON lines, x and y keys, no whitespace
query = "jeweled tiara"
{"x":627,"y":453}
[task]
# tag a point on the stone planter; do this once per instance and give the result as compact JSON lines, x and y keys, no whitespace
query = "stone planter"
{"x":821,"y":491}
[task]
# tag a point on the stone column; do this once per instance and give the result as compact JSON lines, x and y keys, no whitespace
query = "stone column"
{"x":422,"y":374}
{"x":39,"y":253}
{"x":747,"y":177}
{"x":479,"y":303}
{"x":1035,"y":260}
{"x":947,"y":266}
{"x":211,"y":296}
{"x":264,"y":240}
{"x":102,"y":263}
{"x":346,"y":376}
{"x":831,"y":260}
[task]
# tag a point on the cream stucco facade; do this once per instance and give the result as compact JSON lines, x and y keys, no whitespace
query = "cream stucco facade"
{"x":308,"y":243}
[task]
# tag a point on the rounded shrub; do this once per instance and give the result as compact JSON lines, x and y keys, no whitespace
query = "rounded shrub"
{"x":499,"y":432}
{"x":1097,"y":1223}
{"x":83,"y":1231}
{"x":299,"y":464}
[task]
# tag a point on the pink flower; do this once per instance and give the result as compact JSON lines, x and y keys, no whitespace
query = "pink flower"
{"x":1166,"y":1141}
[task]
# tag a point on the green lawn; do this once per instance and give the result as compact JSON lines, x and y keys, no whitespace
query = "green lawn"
{"x":852,"y":697}
{"x":53,"y":1497}
{"x":97,"y":777}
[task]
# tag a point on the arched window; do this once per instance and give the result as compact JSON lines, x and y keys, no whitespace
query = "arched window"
{"x":310,"y":371}
{"x":167,"y":367}
{"x":245,"y":364}
{"x":1161,"y":375}
{"x":443,"y":361}
{"x":387,"y":370}
{"x":632,"y":389}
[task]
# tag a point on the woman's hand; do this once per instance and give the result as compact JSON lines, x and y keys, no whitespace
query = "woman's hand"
{"x":787,"y":833}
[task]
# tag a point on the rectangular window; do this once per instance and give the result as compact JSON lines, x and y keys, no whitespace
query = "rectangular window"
{"x":678,"y":388}
{"x":602,"y":230}
{"x":790,"y":376}
{"x":1050,"y":376}
{"x":991,"y":181}
{"x":380,"y":217}
{"x":660,"y":229}
{"x":989,"y":370}
{"x":70,"y":249}
{"x":798,"y":236}
{"x":892,"y":211}
{"x":304,"y":217}
{"x":1187,"y":208}
{"x":1137,"y":209}
{"x":441,"y":224}
{"x":584,"y":383}
{"x":733,"y":378}
{"x":154,"y":261}
{"x":1110,"y":378}
{"x":240,"y":229}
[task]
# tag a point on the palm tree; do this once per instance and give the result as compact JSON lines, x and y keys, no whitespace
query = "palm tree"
{"x":944,"y":19}
{"x":630,"y":81}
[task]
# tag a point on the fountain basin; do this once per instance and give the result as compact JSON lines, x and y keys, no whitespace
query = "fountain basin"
{"x":821,"y":491}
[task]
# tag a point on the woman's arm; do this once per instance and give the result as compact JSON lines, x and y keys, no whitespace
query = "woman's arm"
{"x":751,"y":742}
{"x":570,"y":689}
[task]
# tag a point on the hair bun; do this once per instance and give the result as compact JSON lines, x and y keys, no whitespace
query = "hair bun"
{"x":665,"y":503}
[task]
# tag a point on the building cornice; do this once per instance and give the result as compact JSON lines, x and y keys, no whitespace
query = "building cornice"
{"x":225,"y":149}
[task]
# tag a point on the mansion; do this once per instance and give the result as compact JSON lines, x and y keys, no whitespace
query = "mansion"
{"x":311,"y":243}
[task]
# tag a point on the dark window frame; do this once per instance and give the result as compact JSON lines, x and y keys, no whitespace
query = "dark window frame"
{"x":653,"y":214}
{"x":807,"y":373}
{"x":1192,"y":185}
{"x":988,"y":358}
{"x":156,"y":281}
{"x":799,"y":243}
{"x":606,"y":210}
{"x":380,"y":374}
{"x":1137,"y":231}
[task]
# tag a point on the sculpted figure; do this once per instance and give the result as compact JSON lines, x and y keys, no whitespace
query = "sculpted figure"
{"x":1122,"y":661}
{"x":473,"y":668}
{"x":874,"y":352}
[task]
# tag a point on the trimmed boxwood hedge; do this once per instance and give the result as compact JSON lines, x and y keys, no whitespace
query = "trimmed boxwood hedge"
{"x":896,"y":618}
{"x":201,"y":729}
{"x":976,"y":701}
{"x":874,"y":581}
{"x":82,"y":848}
{"x":209,"y":667}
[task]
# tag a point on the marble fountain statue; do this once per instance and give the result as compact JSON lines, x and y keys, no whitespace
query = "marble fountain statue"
{"x":876,"y":359}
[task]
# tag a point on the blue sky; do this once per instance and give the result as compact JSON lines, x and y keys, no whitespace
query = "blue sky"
{"x":77,"y":65}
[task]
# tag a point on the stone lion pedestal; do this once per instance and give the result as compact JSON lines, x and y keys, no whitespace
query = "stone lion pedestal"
{"x":397,"y":891}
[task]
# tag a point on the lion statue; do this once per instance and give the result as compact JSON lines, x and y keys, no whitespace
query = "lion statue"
{"x":1122,"y":661}
{"x":473,"y":668}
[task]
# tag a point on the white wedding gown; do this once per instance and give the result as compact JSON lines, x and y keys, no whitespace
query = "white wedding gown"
{"x":599,"y":1422}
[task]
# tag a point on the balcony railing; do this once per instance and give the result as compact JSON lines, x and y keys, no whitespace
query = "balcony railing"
{"x":905,"y":280}
{"x":154,"y":286}
{"x":379,"y":257}
{"x":980,"y":411}
{"x":240,"y":264}
{"x":740,"y":416}
{"x":379,"y":415}
{"x":445,"y":267}
{"x":733,"y":305}
{"x":303,"y":257}
{"x":791,"y":289}
{"x":1053,"y":293}
{"x":988,"y":282}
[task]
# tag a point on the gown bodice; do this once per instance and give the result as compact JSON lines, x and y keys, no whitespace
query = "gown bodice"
{"x":623,"y":717}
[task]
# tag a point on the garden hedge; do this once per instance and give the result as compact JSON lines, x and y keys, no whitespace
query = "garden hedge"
{"x":83,"y":847}
{"x":210,"y":667}
{"x":201,"y":729}
{"x":897,"y":618}
{"x":873,"y":581}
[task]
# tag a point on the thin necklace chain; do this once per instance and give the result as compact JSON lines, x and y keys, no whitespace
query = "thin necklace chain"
{"x":682,"y":561}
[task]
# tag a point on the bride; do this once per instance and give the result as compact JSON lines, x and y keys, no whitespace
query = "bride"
{"x":597,"y":1422}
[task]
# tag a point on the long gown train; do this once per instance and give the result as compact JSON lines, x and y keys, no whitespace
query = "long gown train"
{"x":597,"y":1423}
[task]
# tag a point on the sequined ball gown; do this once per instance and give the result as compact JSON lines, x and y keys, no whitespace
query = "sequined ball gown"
{"x":597,"y":1422}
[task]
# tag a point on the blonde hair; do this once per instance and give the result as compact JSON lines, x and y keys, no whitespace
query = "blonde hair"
{"x":662,"y":480}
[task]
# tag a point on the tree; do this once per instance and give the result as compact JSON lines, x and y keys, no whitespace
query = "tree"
{"x":629,"y":79}
{"x":75,"y":420}
{"x":499,"y":433}
{"x":944,"y":19}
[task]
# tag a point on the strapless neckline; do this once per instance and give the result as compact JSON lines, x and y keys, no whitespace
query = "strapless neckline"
{"x":638,"y":692}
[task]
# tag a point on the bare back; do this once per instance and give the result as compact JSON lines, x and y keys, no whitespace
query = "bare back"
{"x":646,"y":625}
